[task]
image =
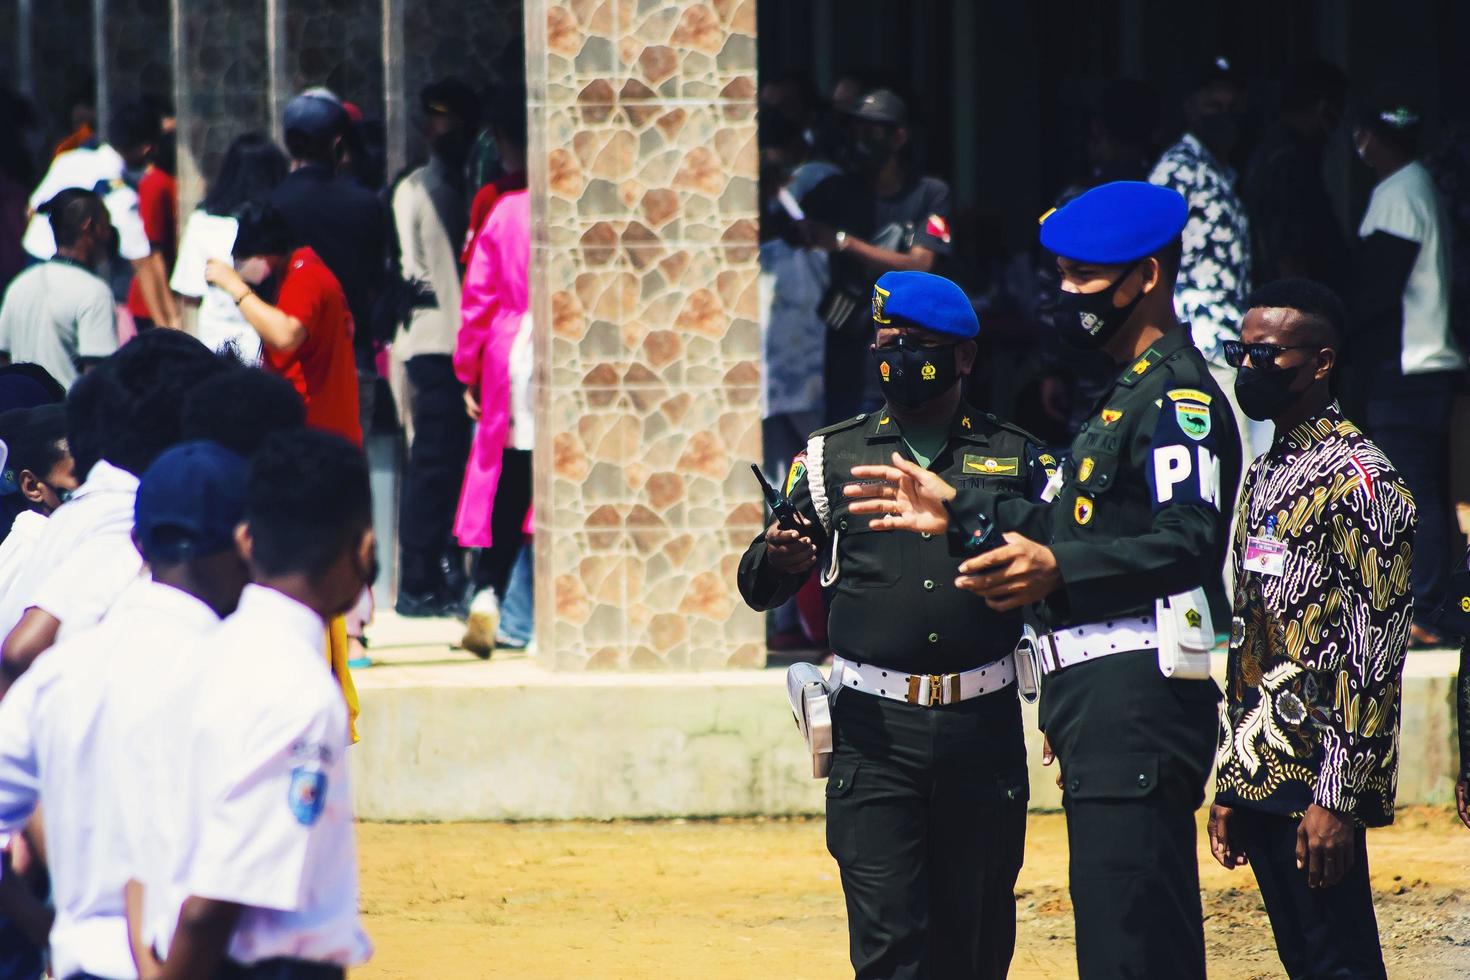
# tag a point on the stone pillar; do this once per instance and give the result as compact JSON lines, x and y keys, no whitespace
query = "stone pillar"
{"x":644,"y":168}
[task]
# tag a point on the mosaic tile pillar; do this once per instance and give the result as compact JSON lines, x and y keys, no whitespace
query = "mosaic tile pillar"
{"x":644,"y":269}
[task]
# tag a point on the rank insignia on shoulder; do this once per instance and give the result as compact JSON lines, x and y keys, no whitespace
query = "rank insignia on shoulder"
{"x":1140,"y":367}
{"x":992,"y":465}
{"x":1084,"y":469}
{"x":1111,"y":415}
{"x":883,"y":420}
{"x":965,"y":422}
{"x":880,"y":296}
{"x":1082,"y":511}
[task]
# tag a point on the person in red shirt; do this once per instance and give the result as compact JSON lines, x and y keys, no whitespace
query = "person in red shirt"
{"x":158,"y":205}
{"x":290,"y":297}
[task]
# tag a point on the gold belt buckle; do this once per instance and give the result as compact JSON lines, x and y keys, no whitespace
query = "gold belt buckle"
{"x":936,"y":689}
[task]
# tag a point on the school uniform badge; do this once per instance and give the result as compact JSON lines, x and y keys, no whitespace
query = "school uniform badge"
{"x":307,"y":795}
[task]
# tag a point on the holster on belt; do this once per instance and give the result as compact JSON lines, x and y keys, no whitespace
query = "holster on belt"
{"x":1028,"y":671}
{"x":1186,"y":635}
{"x":811,"y":704}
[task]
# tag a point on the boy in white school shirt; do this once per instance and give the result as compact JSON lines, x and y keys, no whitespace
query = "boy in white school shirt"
{"x":270,"y":868}
{"x":120,"y":416}
{"x":60,"y":723}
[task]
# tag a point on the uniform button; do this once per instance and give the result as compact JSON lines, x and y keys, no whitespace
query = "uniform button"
{"x":1074,"y":784}
{"x":1011,"y":793}
{"x":925,"y":535}
{"x":1143,"y":780}
{"x":928,"y":585}
{"x":843,"y":524}
{"x":933,"y":637}
{"x":840,"y":782}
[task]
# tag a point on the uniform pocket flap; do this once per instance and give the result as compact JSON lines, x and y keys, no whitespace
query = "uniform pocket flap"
{"x":1095,"y":472}
{"x":839,"y":782}
{"x":1119,"y":777}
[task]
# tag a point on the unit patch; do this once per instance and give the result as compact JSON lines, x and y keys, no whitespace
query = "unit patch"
{"x":1082,"y":510}
{"x":992,"y":465}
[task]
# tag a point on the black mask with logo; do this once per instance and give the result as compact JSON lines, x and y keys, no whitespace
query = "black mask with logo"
{"x":1265,"y":394}
{"x":1089,"y":320}
{"x":910,"y":376}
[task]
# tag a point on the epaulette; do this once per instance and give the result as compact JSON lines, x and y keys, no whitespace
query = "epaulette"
{"x":1001,"y":423}
{"x":842,"y":426}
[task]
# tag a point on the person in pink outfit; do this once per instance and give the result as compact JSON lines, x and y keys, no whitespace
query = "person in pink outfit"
{"x":490,"y":357}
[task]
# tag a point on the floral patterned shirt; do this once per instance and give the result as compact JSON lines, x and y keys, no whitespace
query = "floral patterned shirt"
{"x":1215,"y":270}
{"x":1317,"y":643}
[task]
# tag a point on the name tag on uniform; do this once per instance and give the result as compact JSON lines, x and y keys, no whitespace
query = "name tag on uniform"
{"x":1265,"y":555}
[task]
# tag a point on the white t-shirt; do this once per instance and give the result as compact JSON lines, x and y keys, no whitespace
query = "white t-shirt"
{"x":100,"y":170}
{"x":64,"y":747}
{"x":55,"y":314}
{"x":268,"y":762}
{"x":1406,"y":205}
{"x":219,"y":324}
{"x":16,"y":549}
{"x":83,"y":558}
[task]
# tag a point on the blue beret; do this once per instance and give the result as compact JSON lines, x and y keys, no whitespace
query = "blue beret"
{"x":924,"y":300}
{"x":1115,"y":223}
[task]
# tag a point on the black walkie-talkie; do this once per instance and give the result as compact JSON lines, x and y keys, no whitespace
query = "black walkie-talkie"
{"x":781,"y":506}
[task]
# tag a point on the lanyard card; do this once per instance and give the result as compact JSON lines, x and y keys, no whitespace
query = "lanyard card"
{"x":1265,"y":555}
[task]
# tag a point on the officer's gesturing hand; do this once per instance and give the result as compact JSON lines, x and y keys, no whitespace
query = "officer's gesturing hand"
{"x":1016,"y":574}
{"x":790,"y":552}
{"x":1219,"y":830}
{"x":906,"y":497}
{"x":1324,"y":846}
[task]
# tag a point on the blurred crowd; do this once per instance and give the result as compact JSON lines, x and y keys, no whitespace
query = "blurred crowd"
{"x":844,"y":200}
{"x":391,"y":305}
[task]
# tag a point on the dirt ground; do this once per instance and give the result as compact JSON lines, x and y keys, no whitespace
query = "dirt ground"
{"x":760,"y":899}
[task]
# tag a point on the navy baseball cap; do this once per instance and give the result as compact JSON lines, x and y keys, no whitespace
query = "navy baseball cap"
{"x":926,"y":301}
{"x":315,"y":112}
{"x":189,"y":502}
{"x":1115,"y":223}
{"x":881,"y":106}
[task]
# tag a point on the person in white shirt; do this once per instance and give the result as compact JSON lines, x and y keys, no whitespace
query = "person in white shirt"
{"x":1406,"y":361}
{"x":38,"y":476}
{"x":270,"y":870}
{"x":107,"y":169}
{"x":74,"y":730}
{"x":120,"y":417}
{"x":60,"y":314}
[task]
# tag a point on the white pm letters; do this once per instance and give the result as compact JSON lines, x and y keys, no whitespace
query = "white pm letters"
{"x":1173,"y":466}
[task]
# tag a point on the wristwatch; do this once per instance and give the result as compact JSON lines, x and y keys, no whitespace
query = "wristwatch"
{"x":841,"y":239}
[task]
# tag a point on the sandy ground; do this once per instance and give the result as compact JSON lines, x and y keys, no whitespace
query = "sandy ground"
{"x":759,"y":898}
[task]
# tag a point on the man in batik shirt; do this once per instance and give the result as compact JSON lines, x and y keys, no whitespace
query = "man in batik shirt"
{"x":1309,"y":736}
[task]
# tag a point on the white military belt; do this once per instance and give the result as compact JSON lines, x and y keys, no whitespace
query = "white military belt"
{"x":1065,"y":648}
{"x":925,"y":690}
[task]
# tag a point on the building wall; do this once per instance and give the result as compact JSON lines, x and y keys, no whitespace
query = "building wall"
{"x":644,"y":287}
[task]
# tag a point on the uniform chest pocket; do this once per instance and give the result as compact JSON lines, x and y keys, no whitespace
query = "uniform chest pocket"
{"x":865,"y":558}
{"x":1092,"y":476}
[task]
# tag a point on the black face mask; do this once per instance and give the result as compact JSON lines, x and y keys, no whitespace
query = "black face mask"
{"x":910,"y":376}
{"x":1089,"y":320}
{"x":868,"y":154}
{"x":1263,"y":395}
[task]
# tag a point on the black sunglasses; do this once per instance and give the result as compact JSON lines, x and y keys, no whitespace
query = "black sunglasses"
{"x":1263,"y":356}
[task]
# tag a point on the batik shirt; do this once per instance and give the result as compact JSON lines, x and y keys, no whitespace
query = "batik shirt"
{"x":1321,"y":622}
{"x":1215,"y":270}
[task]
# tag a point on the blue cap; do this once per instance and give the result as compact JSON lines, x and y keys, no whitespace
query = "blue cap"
{"x":924,"y":300}
{"x":189,"y":502}
{"x":1115,"y":223}
{"x":315,"y":112}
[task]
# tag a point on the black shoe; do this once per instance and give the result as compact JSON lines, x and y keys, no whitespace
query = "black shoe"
{"x":455,"y":581}
{"x":428,"y":606}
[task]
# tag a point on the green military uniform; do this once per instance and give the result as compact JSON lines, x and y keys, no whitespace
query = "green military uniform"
{"x":1141,"y":513}
{"x":926,"y":806}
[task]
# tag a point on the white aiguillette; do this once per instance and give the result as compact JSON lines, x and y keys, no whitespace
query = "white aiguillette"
{"x":811,"y":703}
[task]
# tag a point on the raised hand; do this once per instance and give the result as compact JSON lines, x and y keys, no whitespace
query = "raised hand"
{"x":904,"y":496}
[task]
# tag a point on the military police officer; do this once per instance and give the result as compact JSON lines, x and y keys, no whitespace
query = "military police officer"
{"x":926,"y":798}
{"x":1137,"y":514}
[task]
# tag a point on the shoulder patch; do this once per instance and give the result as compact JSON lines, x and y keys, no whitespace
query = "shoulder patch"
{"x":1191,"y":411}
{"x":1190,"y":394}
{"x":307,"y":794}
{"x":1111,"y":415}
{"x":795,"y":473}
